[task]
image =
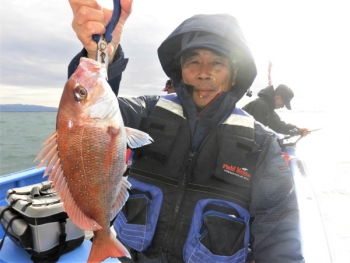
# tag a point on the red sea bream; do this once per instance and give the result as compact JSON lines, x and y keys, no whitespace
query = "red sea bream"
{"x":85,"y":156}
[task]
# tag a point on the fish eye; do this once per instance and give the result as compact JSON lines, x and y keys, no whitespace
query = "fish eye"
{"x":80,"y":93}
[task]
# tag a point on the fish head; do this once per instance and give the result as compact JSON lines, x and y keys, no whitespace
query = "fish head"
{"x":87,"y":94}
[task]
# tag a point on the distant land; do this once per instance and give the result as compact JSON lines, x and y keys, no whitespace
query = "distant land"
{"x":25,"y":107}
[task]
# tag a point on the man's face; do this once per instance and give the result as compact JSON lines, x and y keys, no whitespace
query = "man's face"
{"x":209,"y":73}
{"x":279,"y":103}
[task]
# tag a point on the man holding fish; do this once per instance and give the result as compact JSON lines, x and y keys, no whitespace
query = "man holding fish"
{"x":213,"y":186}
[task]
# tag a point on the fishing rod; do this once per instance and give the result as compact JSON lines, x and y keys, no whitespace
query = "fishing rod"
{"x":269,"y":82}
{"x":315,"y":130}
{"x":293,"y":133}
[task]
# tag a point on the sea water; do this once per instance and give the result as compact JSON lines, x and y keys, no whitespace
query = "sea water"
{"x":325,"y":152}
{"x":21,"y":136}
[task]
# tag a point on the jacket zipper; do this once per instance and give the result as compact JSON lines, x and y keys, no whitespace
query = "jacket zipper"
{"x":199,"y":114}
{"x":171,"y":230}
{"x":179,"y":199}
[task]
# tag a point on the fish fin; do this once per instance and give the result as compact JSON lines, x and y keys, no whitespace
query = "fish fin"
{"x":55,"y":169}
{"x":48,"y":144}
{"x":51,"y":163}
{"x":105,"y":247}
{"x":71,"y":208}
{"x":121,"y":198}
{"x":49,"y":154}
{"x":52,"y":136}
{"x":136,"y":138}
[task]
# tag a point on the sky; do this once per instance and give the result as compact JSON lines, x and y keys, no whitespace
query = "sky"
{"x":307,"y":41}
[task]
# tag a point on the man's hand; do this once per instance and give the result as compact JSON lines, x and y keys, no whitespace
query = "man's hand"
{"x":304,"y":131}
{"x":91,"y":18}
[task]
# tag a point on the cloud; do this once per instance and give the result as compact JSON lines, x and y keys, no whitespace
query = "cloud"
{"x":307,"y":42}
{"x":44,"y":96}
{"x":35,"y":48}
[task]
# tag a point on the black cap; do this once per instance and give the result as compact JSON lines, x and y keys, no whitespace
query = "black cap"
{"x":168,"y":85}
{"x":286,"y":93}
{"x":196,"y":40}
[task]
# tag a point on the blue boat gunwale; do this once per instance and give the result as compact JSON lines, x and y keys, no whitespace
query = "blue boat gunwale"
{"x":21,"y":175}
{"x":22,"y":178}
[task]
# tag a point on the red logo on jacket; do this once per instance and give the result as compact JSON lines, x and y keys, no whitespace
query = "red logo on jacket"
{"x":237,"y":170}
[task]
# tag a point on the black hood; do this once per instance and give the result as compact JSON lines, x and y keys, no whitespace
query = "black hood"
{"x":268,"y":94}
{"x":222,"y":25}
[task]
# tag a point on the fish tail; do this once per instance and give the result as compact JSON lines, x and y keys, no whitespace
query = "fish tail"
{"x":109,"y":246}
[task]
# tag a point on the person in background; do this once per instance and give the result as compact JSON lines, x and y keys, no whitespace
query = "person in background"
{"x":263,"y":109}
{"x":214,"y":185}
{"x":169,"y":88}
